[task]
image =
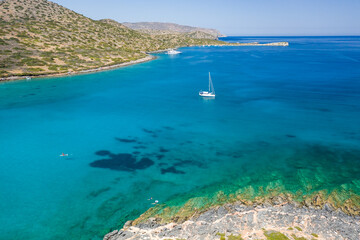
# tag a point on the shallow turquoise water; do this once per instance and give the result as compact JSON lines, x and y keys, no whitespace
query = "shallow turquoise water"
{"x":284,"y":116}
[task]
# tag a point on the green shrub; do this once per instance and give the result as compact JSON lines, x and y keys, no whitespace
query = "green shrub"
{"x":298,"y":238}
{"x":2,"y":42}
{"x":298,"y":228}
{"x":35,"y":69}
{"x":270,"y":235}
{"x":3,"y":73}
{"x":19,"y":8}
{"x":32,"y":62}
{"x":53,"y":68}
{"x":23,"y":34}
{"x":235,"y":237}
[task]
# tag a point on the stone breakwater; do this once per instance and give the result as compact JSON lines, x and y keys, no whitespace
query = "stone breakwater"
{"x":283,"y":44}
{"x":238,"y":221}
{"x":279,"y":44}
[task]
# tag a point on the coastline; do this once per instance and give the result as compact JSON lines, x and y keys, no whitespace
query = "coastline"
{"x":238,"y":221}
{"x":92,"y":70}
{"x":149,"y":57}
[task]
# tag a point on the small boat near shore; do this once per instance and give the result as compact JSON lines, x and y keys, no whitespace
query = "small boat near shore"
{"x":211,"y":92}
{"x":173,"y":52}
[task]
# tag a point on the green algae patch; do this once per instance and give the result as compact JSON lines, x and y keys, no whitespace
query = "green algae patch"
{"x":272,"y":235}
{"x":314,"y":235}
{"x":235,"y":237}
{"x":298,"y":228}
{"x":175,"y":239}
{"x":230,"y":237}
{"x":222,"y":236}
{"x":298,"y":238}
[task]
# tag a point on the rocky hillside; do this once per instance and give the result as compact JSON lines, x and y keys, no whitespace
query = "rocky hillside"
{"x":41,"y":37}
{"x":172,"y":28}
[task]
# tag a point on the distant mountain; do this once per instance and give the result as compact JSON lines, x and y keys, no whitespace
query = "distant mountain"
{"x":166,"y":28}
{"x":41,"y":37}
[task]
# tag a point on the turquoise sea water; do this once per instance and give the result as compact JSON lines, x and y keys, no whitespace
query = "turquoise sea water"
{"x":283,"y":116}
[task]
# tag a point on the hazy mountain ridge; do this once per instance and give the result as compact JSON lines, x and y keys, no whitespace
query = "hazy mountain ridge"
{"x":42,"y":37}
{"x":166,"y":28}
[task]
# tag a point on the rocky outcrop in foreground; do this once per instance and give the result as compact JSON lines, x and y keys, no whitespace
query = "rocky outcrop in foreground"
{"x":237,"y":221}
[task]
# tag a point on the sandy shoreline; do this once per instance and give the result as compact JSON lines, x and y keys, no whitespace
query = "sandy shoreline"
{"x":141,"y":60}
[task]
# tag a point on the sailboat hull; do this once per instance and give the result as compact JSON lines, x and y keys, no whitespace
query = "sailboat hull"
{"x":206,"y":94}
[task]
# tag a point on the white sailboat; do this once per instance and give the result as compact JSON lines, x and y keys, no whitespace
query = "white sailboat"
{"x":173,"y":52}
{"x":211,"y":92}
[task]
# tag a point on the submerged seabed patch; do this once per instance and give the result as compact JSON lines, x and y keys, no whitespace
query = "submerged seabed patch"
{"x":121,"y":161}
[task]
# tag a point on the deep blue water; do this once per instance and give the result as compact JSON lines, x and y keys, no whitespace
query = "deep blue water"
{"x":142,"y":131}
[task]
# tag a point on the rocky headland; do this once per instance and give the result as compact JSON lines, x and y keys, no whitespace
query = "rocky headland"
{"x":239,"y":221}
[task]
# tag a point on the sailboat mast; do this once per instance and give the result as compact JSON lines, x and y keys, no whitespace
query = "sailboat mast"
{"x":209,"y":81}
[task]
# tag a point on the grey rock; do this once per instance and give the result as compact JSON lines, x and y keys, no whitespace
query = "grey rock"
{"x":110,"y":235}
{"x":240,"y":219}
{"x":128,"y":224}
{"x":328,"y":207}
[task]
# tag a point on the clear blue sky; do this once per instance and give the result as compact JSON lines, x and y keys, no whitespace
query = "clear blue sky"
{"x":234,"y":17}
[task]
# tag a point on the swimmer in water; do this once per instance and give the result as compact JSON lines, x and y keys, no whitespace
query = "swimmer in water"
{"x":64,"y":155}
